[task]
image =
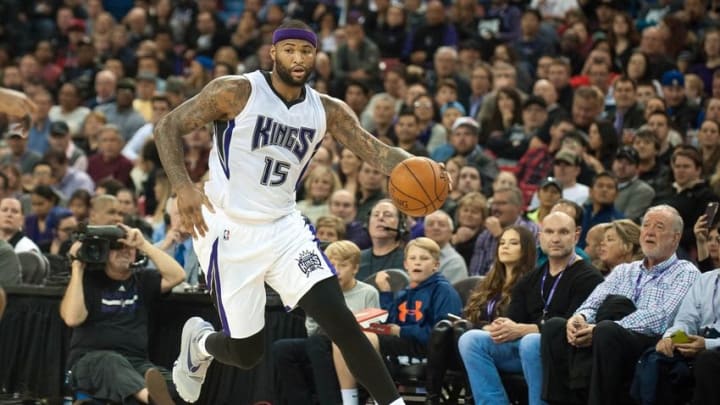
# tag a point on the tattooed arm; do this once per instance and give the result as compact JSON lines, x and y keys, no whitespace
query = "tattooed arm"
{"x":222,"y":98}
{"x":345,"y":127}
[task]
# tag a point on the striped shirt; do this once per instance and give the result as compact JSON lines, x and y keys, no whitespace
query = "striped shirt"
{"x":657,"y":293}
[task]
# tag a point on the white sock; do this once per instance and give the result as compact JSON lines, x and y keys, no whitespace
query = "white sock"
{"x":201,"y":345}
{"x":349,"y":396}
{"x":398,"y":401}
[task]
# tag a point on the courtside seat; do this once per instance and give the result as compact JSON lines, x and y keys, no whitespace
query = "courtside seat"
{"x":399,"y":279}
{"x":34,"y":267}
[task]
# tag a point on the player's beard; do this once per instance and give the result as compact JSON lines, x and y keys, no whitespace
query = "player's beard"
{"x":286,"y":76}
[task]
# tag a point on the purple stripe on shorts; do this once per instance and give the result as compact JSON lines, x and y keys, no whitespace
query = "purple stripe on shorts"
{"x":209,"y":275}
{"x":327,"y":261}
{"x":322,"y":253}
{"x":216,"y":282}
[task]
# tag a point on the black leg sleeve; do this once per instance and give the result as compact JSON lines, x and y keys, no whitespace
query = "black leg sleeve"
{"x":244,"y":353}
{"x":326,"y":304}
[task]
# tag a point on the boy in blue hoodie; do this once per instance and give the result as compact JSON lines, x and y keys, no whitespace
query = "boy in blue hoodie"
{"x":412,"y":312}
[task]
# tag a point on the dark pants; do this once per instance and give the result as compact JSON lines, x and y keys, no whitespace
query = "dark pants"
{"x":610,"y":361}
{"x":661,"y":380}
{"x":707,"y":370}
{"x":106,"y":374}
{"x":302,"y":364}
{"x":443,"y":355}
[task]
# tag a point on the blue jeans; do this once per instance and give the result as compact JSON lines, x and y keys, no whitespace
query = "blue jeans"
{"x":484,"y":359}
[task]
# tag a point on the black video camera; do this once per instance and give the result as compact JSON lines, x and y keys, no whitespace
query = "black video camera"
{"x":97,"y":241}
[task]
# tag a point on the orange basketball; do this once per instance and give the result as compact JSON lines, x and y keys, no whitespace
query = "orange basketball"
{"x":418,"y":186}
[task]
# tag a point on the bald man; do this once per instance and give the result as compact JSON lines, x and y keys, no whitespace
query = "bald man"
{"x":105,"y":210}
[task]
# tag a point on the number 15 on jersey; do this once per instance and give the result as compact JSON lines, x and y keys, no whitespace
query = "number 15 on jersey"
{"x":275,"y":172}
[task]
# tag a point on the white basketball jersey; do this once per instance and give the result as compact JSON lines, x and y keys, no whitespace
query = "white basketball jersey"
{"x":258,"y":157}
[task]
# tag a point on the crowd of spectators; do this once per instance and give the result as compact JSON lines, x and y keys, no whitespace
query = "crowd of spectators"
{"x":599,"y":109}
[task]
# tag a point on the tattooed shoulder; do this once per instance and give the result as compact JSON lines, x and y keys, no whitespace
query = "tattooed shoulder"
{"x":221,"y":99}
{"x":232,"y":94}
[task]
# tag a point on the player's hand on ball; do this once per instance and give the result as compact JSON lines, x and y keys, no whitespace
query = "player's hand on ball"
{"x":190,"y":199}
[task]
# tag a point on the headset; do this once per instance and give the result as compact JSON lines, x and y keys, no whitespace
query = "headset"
{"x":401,"y":230}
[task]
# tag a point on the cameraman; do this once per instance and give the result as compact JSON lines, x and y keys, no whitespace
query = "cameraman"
{"x":109,"y":313}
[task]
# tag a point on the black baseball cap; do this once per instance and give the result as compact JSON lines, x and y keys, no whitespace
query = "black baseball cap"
{"x":551,"y":182}
{"x":59,"y":128}
{"x":534,"y":100}
{"x":628,"y":153}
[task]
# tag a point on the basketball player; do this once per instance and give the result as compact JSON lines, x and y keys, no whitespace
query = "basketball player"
{"x":267,"y":127}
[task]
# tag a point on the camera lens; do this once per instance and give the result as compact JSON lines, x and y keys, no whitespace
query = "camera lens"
{"x":93,"y":252}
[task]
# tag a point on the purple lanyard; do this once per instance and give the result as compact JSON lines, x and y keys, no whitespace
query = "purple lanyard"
{"x":638,"y":288}
{"x":490,"y":308}
{"x":712,"y":303}
{"x":546,"y":303}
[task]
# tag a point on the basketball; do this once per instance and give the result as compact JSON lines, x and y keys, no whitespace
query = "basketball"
{"x":418,"y":186}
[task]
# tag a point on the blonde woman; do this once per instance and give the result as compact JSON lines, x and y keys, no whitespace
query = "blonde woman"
{"x":319,"y":185}
{"x":620,"y":244}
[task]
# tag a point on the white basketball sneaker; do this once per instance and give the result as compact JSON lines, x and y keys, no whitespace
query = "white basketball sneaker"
{"x":191,"y":366}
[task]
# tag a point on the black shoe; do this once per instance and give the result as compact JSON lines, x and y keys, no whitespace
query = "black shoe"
{"x":157,"y":388}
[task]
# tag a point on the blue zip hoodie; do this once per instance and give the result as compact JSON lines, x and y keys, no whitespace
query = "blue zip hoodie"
{"x":417,"y":310}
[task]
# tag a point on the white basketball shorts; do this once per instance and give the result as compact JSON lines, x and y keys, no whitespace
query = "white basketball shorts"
{"x":239,"y":258}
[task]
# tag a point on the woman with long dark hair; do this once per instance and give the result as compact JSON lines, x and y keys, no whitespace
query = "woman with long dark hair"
{"x":506,"y":113}
{"x":604,"y":142}
{"x":623,"y":38}
{"x":515,"y":256}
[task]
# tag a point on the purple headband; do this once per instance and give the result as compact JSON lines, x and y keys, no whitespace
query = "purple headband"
{"x":294,"y":33}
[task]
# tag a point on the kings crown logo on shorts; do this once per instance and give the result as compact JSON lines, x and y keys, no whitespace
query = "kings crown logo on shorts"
{"x":308,"y":262}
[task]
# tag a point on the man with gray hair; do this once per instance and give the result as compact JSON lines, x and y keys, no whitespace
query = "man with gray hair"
{"x":506,"y":209}
{"x":622,"y":317}
{"x":445,"y":67}
{"x":439,"y":227}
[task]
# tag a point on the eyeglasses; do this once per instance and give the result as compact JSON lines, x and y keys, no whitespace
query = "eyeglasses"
{"x":419,"y":104}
